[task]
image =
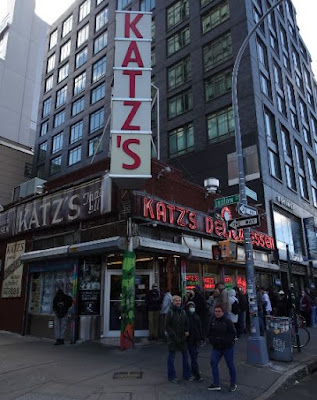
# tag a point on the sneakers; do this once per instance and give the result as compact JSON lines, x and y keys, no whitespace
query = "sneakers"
{"x":192,"y":378}
{"x":214,"y":387}
{"x":175,"y":380}
{"x":233,"y":388}
{"x":198,"y":379}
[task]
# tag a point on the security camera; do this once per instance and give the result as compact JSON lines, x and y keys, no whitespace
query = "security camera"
{"x":211,"y":185}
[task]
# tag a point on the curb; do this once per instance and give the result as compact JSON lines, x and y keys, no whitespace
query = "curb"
{"x":289,"y":378}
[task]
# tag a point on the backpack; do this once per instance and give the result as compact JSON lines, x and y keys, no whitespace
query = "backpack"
{"x":235,"y":309}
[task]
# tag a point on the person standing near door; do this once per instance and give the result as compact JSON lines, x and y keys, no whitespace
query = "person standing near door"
{"x":61,"y":304}
{"x":154,"y":302}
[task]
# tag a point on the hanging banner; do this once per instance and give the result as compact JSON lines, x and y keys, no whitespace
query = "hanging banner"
{"x":13,"y":270}
{"x":131,"y":103}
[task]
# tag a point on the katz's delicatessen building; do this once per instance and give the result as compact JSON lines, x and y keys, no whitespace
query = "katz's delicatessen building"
{"x":74,"y":235}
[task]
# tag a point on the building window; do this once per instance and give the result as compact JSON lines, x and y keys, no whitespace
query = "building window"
{"x":44,"y":128}
{"x":313,"y":178}
{"x":313,"y":125}
{"x":98,"y":2}
{"x":59,"y":119}
{"x":101,"y":42}
{"x":67,"y":26}
{"x":220,"y":124}
{"x":96,"y":120}
{"x":274,"y":163}
{"x":301,"y":171}
{"x":217,"y":51}
{"x":269,"y":125}
{"x":65,"y":51}
{"x":99,"y":69}
{"x":122,"y":4}
{"x":262,"y":53}
{"x":82,"y":35}
{"x":178,"y":41}
{"x":61,"y":96}
{"x":303,"y":111}
{"x":50,"y":63}
{"x":57,"y":143}
{"x":101,"y":19}
{"x":177,"y":13}
{"x":265,"y":84}
{"x":274,"y":42}
{"x":288,"y":230}
{"x":294,"y":120}
{"x":277,"y":73}
{"x":46,"y":107}
{"x":94,"y":146}
{"x":63,"y":72}
{"x":74,"y":155}
{"x":147,"y":5}
{"x":290,"y":93}
{"x":98,"y":93}
{"x":49,"y":83}
{"x":78,"y":106}
{"x":53,"y":39}
{"x":42,"y":151}
{"x":179,"y":73}
{"x":180,"y":104}
{"x":79,"y":83}
{"x":307,"y":137}
{"x":55,"y":165}
{"x":81,"y":57}
{"x":218,"y":84}
{"x":281,"y":104}
{"x":76,"y":132}
{"x":215,"y":17}
{"x":84,"y":10}
{"x":181,"y":140}
{"x":203,"y":3}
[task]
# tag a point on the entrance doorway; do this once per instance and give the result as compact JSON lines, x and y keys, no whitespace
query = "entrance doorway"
{"x":112,"y":314}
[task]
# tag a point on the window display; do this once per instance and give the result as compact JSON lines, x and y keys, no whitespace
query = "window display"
{"x":89,"y":286}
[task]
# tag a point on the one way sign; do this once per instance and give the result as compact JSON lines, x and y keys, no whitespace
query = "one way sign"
{"x":244,"y":222}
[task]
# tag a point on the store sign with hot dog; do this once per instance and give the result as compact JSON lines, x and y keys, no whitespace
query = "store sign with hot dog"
{"x":131,"y":102}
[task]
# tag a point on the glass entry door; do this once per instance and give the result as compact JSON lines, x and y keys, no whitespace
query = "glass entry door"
{"x":112,"y":316}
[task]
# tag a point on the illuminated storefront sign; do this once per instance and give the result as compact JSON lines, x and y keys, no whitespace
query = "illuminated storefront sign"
{"x":209,"y":282}
{"x":242,"y":283}
{"x":131,"y":101}
{"x":186,"y":219}
{"x":192,"y":281}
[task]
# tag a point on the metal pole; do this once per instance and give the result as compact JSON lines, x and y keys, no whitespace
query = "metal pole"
{"x":256,"y":347}
{"x":158,"y":133}
{"x":292,"y":293}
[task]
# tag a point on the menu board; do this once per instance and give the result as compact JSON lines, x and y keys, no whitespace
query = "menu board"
{"x":89,"y":287}
{"x":209,"y":282}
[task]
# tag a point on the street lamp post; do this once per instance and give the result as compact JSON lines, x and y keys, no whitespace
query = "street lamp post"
{"x":256,"y":347}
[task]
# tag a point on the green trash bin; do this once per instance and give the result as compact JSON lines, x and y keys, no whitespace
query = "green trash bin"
{"x":279,"y":338}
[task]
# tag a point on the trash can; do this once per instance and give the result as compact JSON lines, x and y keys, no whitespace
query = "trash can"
{"x":89,"y":327}
{"x":279,"y":338}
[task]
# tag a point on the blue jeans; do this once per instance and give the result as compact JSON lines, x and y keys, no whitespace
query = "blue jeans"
{"x":171,"y":373}
{"x":215,"y":357}
{"x":193,"y":353}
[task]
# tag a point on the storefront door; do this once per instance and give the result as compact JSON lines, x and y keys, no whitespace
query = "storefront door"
{"x":112,"y":315}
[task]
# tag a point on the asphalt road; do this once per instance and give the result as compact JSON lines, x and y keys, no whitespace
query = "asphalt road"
{"x":305,"y":389}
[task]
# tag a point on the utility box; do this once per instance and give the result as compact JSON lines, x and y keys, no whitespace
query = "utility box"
{"x":279,"y":338}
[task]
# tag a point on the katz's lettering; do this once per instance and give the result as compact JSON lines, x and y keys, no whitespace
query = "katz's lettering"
{"x":131,"y":25}
{"x":127,"y":123}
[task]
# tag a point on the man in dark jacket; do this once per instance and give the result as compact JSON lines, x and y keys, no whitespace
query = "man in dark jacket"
{"x":243,"y":306}
{"x":154,"y":302}
{"x":222,"y":334}
{"x":176,"y":327}
{"x":61,"y":304}
{"x":201,"y":307}
{"x":194,"y":339}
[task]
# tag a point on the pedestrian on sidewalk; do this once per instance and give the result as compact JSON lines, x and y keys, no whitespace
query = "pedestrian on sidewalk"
{"x":194,"y":339}
{"x":61,"y":304}
{"x":243,"y":306}
{"x":267,"y":302}
{"x":306,"y":306}
{"x":154,"y":302}
{"x":223,"y":298}
{"x":260,"y":302}
{"x":176,"y":327}
{"x":166,"y":304}
{"x":222,"y":335}
{"x":234,"y":307}
{"x":201,"y":308}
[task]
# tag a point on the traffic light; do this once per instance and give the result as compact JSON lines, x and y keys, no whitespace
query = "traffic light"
{"x":228,"y":250}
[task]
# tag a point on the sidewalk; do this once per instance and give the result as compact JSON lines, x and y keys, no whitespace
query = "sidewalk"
{"x":33,"y":369}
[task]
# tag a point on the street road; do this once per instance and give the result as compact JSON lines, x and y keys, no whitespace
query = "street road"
{"x":305,"y":389}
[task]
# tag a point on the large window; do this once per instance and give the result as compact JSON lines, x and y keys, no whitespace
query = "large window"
{"x":81,"y":57}
{"x":100,"y":42}
{"x":49,"y":83}
{"x":265,"y":83}
{"x":59,"y":119}
{"x":288,"y":159}
{"x":55,"y":165}
{"x":53,"y":39}
{"x":101,"y":19}
{"x":217,"y":51}
{"x":44,"y":128}
{"x":67,"y":26}
{"x":262,"y":53}
{"x":46,"y":107}
{"x":74,"y":155}
{"x":78,"y":106}
{"x":65,"y":51}
{"x":122,"y":4}
{"x":99,"y":69}
{"x":82,"y":35}
{"x":218,"y":84}
{"x":76,"y":132}
{"x":274,"y":163}
{"x":220,"y":124}
{"x":177,"y":13}
{"x":61,"y":96}
{"x":178,"y":41}
{"x":84,"y":10}
{"x":79,"y":83}
{"x":42,"y":151}
{"x":312,"y":177}
{"x":97,"y":120}
{"x":98,"y":93}
{"x":269,"y":125}
{"x":94,"y":146}
{"x":215,"y":17}
{"x":57,"y":142}
{"x":147,"y":5}
{"x":179,"y":73}
{"x":180,"y":104}
{"x":301,"y":171}
{"x":63,"y":72}
{"x":50,"y":63}
{"x":181,"y":140}
{"x":288,"y":230}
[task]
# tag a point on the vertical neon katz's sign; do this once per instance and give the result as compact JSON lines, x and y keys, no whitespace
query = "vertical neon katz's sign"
{"x":131,"y":103}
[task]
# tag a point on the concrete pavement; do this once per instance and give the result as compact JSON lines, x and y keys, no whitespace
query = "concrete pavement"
{"x":33,"y":369}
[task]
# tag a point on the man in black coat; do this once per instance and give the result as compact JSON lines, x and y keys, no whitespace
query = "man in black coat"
{"x":194,"y":339}
{"x":154,"y":303}
{"x":61,"y":304}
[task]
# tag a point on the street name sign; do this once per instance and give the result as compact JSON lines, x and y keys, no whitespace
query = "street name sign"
{"x":243,"y":222}
{"x":226,"y":201}
{"x":251,"y":193}
{"x":244,"y":209}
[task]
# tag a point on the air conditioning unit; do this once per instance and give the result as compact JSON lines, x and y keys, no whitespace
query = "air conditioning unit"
{"x":28,"y":188}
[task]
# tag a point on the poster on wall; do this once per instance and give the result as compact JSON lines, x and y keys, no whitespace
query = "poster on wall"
{"x":89,"y":287}
{"x":13,"y":270}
